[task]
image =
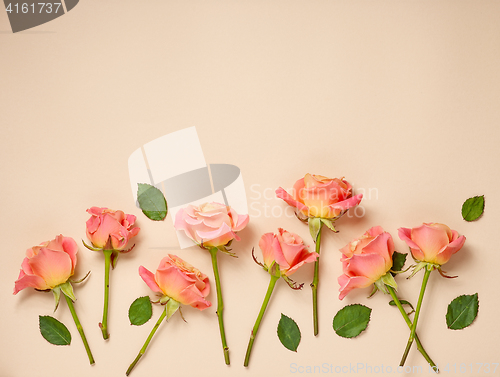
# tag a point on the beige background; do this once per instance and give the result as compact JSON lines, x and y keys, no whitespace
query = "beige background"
{"x":400,"y":97}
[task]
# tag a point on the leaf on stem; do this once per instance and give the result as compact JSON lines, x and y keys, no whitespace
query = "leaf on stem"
{"x":152,"y":202}
{"x":54,"y":331}
{"x":289,"y":333}
{"x":398,"y":262}
{"x":403,"y":302}
{"x":351,"y":320}
{"x":462,"y":311}
{"x":140,"y":311}
{"x":473,"y":208}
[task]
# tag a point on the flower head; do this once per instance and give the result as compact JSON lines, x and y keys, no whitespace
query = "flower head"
{"x":108,"y":225}
{"x":318,"y":196}
{"x":432,"y":242}
{"x":179,"y":281}
{"x":210,"y":224}
{"x":48,"y":265}
{"x":287,"y":250}
{"x":365,"y":260}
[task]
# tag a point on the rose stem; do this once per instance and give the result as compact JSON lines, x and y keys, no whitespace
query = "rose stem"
{"x":104,"y":323}
{"x":314,"y":285}
{"x":408,"y":322}
{"x":143,"y":349}
{"x":415,"y":319}
{"x":80,"y":329}
{"x":220,"y":304}
{"x":253,"y":334}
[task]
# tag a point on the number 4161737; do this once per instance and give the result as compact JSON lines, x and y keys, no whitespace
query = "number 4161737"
{"x":33,"y":8}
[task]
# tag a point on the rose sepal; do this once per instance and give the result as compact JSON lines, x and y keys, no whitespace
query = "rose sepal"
{"x":428,"y":266}
{"x":57,"y":296}
{"x":80,"y":280}
{"x":329,"y":224}
{"x":315,"y":224}
{"x":172,"y":307}
{"x":171,"y":304}
{"x":382,"y":283}
{"x":388,"y":279}
{"x":91,"y":247}
{"x":67,"y":289}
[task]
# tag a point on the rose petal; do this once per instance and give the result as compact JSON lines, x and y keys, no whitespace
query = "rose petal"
{"x":371,"y":266}
{"x":282,"y":194}
{"x":217,"y":237}
{"x":149,"y":279}
{"x":25,"y":281}
{"x":55,"y":267}
{"x":301,"y":259}
{"x":348,"y":283}
{"x":266,"y":246}
{"x":335,"y":209}
{"x":71,"y":248}
{"x":445,"y":254}
{"x":405,"y":235}
{"x":382,"y":245}
{"x":430,"y":240}
{"x":193,"y":296}
{"x":172,"y":281}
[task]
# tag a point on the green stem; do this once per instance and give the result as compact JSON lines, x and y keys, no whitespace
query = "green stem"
{"x":143,"y":349}
{"x":104,"y":324}
{"x":314,"y":285}
{"x":415,"y":319}
{"x":80,"y":329}
{"x":220,"y":304}
{"x":255,"y":329}
{"x":408,"y":322}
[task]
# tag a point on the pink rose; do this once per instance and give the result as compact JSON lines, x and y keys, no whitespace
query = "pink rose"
{"x":287,"y":249}
{"x":48,"y":265}
{"x":210,"y":224}
{"x":180,"y":281}
{"x":432,"y":242}
{"x":106,"y":224}
{"x":318,"y":196}
{"x":365,"y":260}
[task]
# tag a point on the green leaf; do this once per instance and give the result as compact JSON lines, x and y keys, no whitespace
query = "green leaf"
{"x":351,"y":320}
{"x":462,"y":311}
{"x":54,"y":331}
{"x":473,"y":208}
{"x":152,"y":202}
{"x":398,"y":261}
{"x":314,"y":227}
{"x":140,"y":311}
{"x":403,"y":302}
{"x":288,"y":333}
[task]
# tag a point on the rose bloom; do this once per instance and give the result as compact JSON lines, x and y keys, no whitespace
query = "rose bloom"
{"x":180,"y":281}
{"x":287,"y":249}
{"x":210,"y":224}
{"x":105,"y":223}
{"x":365,"y":260}
{"x":48,"y":265}
{"x":432,"y":242}
{"x":318,"y":196}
